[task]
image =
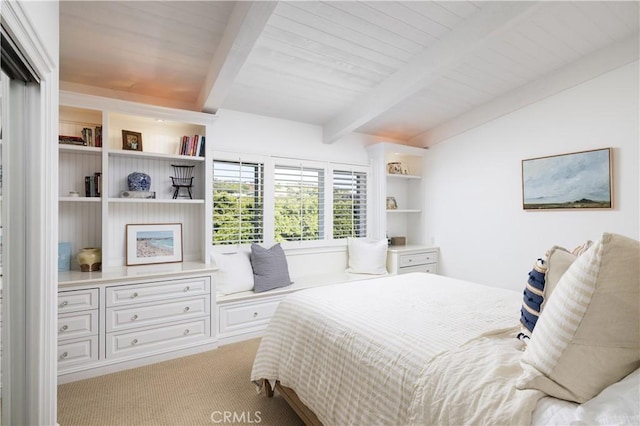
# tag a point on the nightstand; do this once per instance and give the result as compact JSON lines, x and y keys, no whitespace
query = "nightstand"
{"x":412,"y":258}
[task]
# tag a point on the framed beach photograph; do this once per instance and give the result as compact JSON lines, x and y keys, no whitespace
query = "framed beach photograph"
{"x":578,"y":180}
{"x":154,"y":243}
{"x":131,"y":141}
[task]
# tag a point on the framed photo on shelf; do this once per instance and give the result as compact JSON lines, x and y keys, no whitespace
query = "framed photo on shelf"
{"x":391,"y":203}
{"x":394,"y":168}
{"x":153,"y":243}
{"x":131,"y":141}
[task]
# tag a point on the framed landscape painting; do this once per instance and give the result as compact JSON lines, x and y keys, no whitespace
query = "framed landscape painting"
{"x":154,"y":243}
{"x":579,"y":180}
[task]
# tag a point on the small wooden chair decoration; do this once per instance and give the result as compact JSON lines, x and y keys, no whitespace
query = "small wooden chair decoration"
{"x":183,"y":179}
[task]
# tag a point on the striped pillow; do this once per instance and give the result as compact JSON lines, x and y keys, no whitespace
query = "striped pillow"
{"x":588,"y":336}
{"x":533,"y":297}
{"x":558,"y":261}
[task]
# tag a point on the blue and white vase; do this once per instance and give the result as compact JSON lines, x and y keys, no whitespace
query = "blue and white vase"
{"x":138,"y":181}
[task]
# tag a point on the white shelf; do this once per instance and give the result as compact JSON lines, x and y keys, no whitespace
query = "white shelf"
{"x":156,"y":200}
{"x":400,"y":176}
{"x":154,"y":155}
{"x":73,"y":277}
{"x":80,"y":149}
{"x":80,"y":199}
{"x":404,"y":211}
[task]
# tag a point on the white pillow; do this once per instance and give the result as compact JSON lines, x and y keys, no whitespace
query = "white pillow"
{"x":235,"y":274}
{"x":588,"y":336}
{"x":367,"y":256}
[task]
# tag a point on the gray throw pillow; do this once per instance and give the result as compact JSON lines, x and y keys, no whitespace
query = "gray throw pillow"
{"x":270,"y":269}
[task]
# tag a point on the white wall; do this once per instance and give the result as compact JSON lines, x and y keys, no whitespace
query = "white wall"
{"x":474,"y":193}
{"x":43,"y":16}
{"x":249,"y":133}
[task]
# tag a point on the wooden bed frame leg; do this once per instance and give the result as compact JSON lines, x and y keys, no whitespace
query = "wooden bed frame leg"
{"x":267,"y":388}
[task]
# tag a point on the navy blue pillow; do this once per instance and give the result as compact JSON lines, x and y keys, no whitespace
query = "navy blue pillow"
{"x":533,"y":297}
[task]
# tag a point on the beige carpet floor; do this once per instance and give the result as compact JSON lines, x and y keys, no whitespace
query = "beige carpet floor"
{"x":195,"y":390}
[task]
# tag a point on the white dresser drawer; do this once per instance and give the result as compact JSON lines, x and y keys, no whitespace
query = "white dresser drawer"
{"x":75,"y":352}
{"x":127,"y":294}
{"x":234,"y":317}
{"x":123,"y":344}
{"x":413,"y":259}
{"x":77,"y":300}
{"x":431,"y":268}
{"x":77,"y":324}
{"x":126,"y":317}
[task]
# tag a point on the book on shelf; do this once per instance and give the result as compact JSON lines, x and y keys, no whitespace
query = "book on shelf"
{"x":87,"y":136}
{"x":71,"y":140}
{"x":192,"y":146}
{"x":98,"y":137}
{"x":93,"y":185}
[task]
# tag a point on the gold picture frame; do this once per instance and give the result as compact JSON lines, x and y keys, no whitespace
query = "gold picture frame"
{"x":577,"y":180}
{"x":131,"y":141}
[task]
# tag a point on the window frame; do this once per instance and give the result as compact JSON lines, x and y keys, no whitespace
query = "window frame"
{"x":219,"y":156}
{"x":349,"y":168}
{"x":270,"y":163}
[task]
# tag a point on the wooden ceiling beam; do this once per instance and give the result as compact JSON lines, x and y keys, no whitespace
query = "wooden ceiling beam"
{"x":246,"y":23}
{"x":429,"y":65}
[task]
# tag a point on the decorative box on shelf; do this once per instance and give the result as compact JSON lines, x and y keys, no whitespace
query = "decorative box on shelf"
{"x":138,"y":194}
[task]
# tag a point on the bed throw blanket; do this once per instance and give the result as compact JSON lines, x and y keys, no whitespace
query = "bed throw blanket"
{"x":355,"y":353}
{"x":474,"y":384}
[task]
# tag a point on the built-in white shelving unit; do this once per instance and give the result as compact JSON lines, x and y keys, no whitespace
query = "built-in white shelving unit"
{"x":399,"y":197}
{"x":101,"y":221}
{"x":167,"y":306}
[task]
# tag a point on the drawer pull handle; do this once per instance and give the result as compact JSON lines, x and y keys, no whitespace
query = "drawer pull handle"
{"x":135,"y":317}
{"x":63,"y":304}
{"x":64,"y":328}
{"x":134,"y":295}
{"x":64,"y":355}
{"x":186,"y":309}
{"x":186,"y":289}
{"x":255,"y":314}
{"x":134,"y":342}
{"x":186,"y":332}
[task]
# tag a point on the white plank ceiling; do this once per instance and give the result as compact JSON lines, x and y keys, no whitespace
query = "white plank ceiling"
{"x":414,"y":71}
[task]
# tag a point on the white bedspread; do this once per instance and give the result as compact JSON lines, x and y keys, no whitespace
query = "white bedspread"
{"x":475,"y":384}
{"x":338,"y":356}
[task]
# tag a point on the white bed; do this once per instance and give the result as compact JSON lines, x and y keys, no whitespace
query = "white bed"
{"x":411,"y":349}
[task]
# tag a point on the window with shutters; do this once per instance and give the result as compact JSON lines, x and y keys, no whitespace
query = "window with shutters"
{"x":299,"y":203}
{"x":349,"y":204}
{"x":238,"y":202}
{"x":264,"y":199}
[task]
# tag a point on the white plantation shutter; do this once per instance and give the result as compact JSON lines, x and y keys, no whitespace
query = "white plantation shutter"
{"x":238,"y":202}
{"x":299,"y":203}
{"x":349,"y":204}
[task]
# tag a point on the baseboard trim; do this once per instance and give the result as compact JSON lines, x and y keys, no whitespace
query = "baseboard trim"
{"x":112,"y":366}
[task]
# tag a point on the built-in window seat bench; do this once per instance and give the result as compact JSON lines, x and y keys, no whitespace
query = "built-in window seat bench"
{"x":245,"y":315}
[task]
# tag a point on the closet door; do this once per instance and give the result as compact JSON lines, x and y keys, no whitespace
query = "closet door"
{"x":13,"y":236}
{"x":20,"y":234}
